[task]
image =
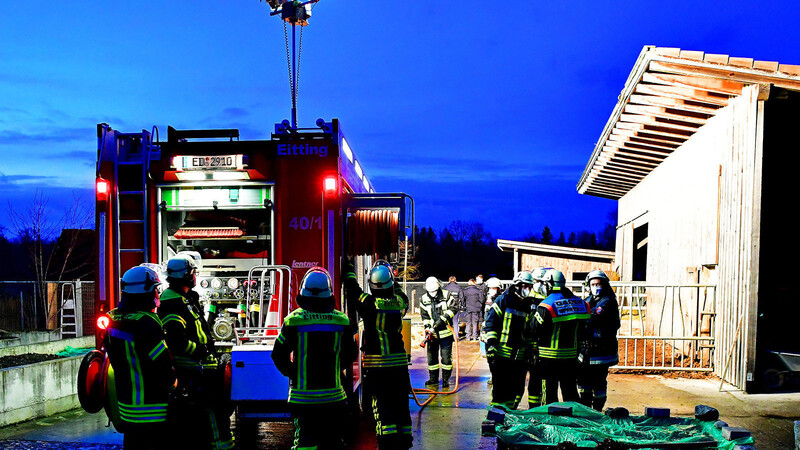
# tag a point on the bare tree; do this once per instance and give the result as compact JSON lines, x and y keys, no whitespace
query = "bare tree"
{"x":50,"y":258}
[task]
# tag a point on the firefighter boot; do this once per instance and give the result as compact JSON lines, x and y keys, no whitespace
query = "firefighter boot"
{"x":445,"y":378}
{"x":433,"y":381}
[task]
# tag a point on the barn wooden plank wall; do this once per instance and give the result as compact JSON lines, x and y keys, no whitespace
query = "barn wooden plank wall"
{"x":739,"y":223}
{"x":678,"y":201}
{"x":568,"y":266}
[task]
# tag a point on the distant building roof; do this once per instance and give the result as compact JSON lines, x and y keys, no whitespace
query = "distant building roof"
{"x":555,"y":250}
{"x":670,"y":93}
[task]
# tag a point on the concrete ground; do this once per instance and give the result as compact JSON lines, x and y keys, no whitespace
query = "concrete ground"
{"x":453,"y":421}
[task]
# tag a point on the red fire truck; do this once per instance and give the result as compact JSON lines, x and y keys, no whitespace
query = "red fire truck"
{"x":256,"y":214}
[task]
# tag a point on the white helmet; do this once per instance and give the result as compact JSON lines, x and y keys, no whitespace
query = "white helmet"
{"x":181,"y":268}
{"x":493,"y":282}
{"x":432,"y":284}
{"x":139,"y":280}
{"x":539,"y":272}
{"x":380,"y":277}
{"x":316,"y":283}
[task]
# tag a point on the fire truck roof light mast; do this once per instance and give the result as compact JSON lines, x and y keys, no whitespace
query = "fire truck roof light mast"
{"x":294,"y":12}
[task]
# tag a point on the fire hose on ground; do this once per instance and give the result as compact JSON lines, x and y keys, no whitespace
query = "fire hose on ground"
{"x":432,"y":393}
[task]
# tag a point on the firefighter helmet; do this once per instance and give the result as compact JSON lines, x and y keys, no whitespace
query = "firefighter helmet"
{"x":597,"y":273}
{"x":539,"y":272}
{"x":555,"y":279}
{"x":380,"y":277}
{"x":523,"y":277}
{"x":139,"y":280}
{"x":493,"y":282}
{"x":316,"y":283}
{"x":432,"y":284}
{"x":181,"y":268}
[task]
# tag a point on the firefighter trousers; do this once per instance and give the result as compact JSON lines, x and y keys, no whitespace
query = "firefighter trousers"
{"x":508,"y":381}
{"x":145,"y":436}
{"x":557,"y":373}
{"x":593,"y":385}
{"x":389,"y":387}
{"x":444,"y":347}
{"x":534,"y":386}
{"x":320,"y":426}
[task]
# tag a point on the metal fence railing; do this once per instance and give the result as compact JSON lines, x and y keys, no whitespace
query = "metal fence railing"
{"x":664,"y":327}
{"x":667,"y":327}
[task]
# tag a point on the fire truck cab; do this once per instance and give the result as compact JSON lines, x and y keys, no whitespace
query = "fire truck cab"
{"x":255,"y":215}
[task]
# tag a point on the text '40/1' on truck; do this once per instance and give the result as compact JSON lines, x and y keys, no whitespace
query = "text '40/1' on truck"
{"x":256,"y":215}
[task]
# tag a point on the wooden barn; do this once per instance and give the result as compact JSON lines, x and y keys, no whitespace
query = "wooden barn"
{"x":575,"y":263}
{"x":700,"y":152}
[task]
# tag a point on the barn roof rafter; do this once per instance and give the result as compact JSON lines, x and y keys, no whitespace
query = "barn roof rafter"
{"x":669,"y":95}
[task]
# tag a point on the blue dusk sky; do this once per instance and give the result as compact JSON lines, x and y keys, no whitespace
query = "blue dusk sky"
{"x":481,"y":111}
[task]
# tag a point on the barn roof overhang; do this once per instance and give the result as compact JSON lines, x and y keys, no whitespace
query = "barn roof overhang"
{"x":669,"y":95}
{"x":555,"y":250}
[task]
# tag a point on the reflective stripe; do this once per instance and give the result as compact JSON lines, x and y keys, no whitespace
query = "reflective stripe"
{"x":144,"y":413}
{"x":173,"y":318}
{"x":157,"y":350}
{"x":119,"y":334}
{"x":558,"y":353}
{"x":310,"y":396}
{"x":391,"y":360}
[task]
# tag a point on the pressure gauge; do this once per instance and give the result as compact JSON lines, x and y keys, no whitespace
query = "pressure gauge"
{"x":216,"y":283}
{"x":233,"y":283}
{"x":204,"y":283}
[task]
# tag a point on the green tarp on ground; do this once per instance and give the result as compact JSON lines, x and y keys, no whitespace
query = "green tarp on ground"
{"x":72,"y":351}
{"x":587,"y":427}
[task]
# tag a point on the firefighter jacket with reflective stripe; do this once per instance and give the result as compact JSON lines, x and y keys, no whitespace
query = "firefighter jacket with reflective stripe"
{"x":312,"y":350}
{"x":556,"y":324}
{"x":599,"y":339}
{"x":383,"y":324}
{"x":437,"y":313}
{"x":187,"y":333}
{"x":507,"y":326}
{"x":142,"y":365}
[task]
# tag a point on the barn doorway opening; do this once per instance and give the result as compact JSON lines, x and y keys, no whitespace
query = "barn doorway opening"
{"x":640,"y":253}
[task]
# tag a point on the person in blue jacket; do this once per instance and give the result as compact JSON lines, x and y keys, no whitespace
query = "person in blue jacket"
{"x":599,"y":349}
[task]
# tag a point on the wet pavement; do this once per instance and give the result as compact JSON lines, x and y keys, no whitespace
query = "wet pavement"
{"x":453,"y":421}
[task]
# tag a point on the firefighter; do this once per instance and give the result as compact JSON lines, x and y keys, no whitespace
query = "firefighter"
{"x":555,"y":327}
{"x":534,"y":372}
{"x":199,"y":397}
{"x":494,"y":287}
{"x":507,"y":341}
{"x":142,"y":364}
{"x":384,"y":362}
{"x":437,"y":309}
{"x":599,"y":349}
{"x":313,"y":348}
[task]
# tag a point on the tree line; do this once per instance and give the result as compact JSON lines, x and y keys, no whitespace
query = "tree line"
{"x":465,"y":249}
